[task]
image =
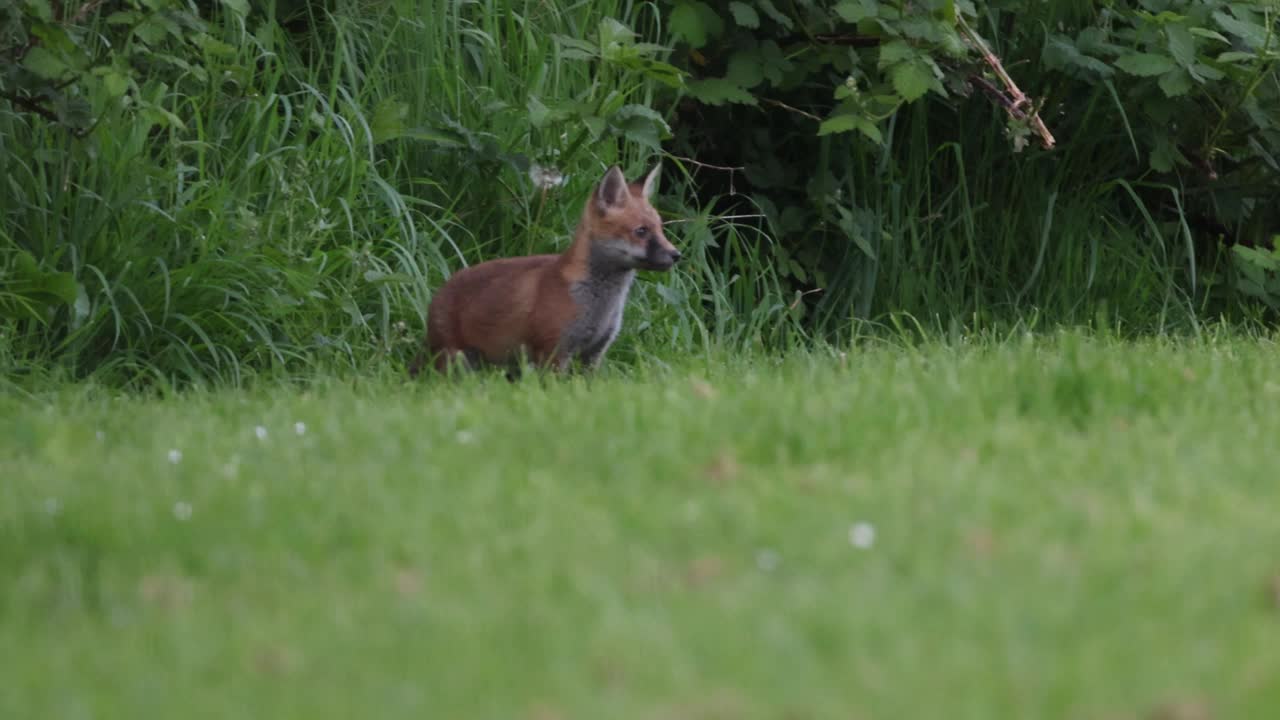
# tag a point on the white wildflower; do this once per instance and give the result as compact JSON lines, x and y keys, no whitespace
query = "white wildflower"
{"x":300,"y":428}
{"x":175,"y":456}
{"x":261,"y":432}
{"x":182,"y":510}
{"x":862,"y":535}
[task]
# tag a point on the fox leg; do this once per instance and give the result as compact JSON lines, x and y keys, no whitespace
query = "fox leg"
{"x":453,"y":359}
{"x":593,"y":354}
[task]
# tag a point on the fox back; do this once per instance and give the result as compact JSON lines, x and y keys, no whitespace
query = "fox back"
{"x":553,"y":309}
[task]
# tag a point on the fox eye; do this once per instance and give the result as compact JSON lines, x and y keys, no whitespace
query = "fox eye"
{"x":642,"y":231}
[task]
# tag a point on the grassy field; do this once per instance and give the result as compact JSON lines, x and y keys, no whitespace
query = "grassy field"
{"x":1064,"y":527}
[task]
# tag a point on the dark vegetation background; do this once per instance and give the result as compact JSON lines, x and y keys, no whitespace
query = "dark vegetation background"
{"x":208,"y":192}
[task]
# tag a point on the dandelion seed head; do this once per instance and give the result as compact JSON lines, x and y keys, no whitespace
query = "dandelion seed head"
{"x":261,"y":432}
{"x":300,"y":428}
{"x":175,"y":456}
{"x":546,"y":178}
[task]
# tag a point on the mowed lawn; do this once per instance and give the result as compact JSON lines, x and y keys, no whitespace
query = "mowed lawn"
{"x":1059,"y":528}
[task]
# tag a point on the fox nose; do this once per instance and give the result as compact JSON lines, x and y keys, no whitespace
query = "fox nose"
{"x":675,"y":256}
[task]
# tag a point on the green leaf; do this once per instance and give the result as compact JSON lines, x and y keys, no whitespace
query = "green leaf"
{"x":868,"y":128}
{"x":1145,"y":64}
{"x":1094,"y":41}
{"x":1254,"y":35}
{"x":744,"y":15}
{"x":123,"y":17}
{"x":595,"y":126}
{"x":151,"y":31}
{"x":115,"y":82}
{"x":856,"y":10}
{"x":641,"y":133}
{"x":1207,"y":33}
{"x":686,"y":24}
{"x":40,"y":8}
{"x":1182,"y":44}
{"x":575,"y":48}
{"x":1234,"y":57}
{"x":44,"y":63}
{"x":1060,"y":52}
{"x":853,"y":227}
{"x":911,"y":79}
{"x":239,"y":7}
{"x":773,"y":64}
{"x":214,"y":46}
{"x":718,"y":91}
{"x":838,"y":124}
{"x":1254,"y":256}
{"x":1165,"y":154}
{"x":635,"y":110}
{"x":894,"y":52}
{"x":710,"y":19}
{"x":920,"y":28}
{"x":1207,"y":72}
{"x":851,"y":121}
{"x":539,"y":113}
{"x":745,"y":69}
{"x":55,"y":38}
{"x":611,"y":32}
{"x":1175,"y":82}
{"x":388,"y":120}
{"x":769,"y":9}
{"x":670,"y":295}
{"x":36,"y":287}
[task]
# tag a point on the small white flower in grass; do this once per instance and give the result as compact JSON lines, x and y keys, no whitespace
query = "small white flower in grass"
{"x":231,"y":469}
{"x":862,"y":535}
{"x":300,"y":428}
{"x":52,"y":506}
{"x":175,"y":456}
{"x":465,"y":437}
{"x":767,"y":560}
{"x":261,"y":432}
{"x":546,"y":178}
{"x":182,"y":510}
{"x":100,"y":435}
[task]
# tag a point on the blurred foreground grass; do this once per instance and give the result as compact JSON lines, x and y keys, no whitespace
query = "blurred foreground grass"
{"x":1059,"y":528}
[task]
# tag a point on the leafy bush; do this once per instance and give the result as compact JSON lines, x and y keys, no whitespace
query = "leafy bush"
{"x":212,"y":190}
{"x":209,"y":192}
{"x":887,"y":186}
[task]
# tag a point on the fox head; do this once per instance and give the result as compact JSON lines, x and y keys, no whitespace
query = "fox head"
{"x":623,"y":227}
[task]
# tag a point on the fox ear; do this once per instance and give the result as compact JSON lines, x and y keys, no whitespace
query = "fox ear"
{"x":612,"y":191}
{"x":652,"y":179}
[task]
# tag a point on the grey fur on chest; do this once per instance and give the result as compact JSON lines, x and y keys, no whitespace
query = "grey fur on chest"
{"x":601,"y":297}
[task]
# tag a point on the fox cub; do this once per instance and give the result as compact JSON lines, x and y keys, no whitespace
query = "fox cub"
{"x":554,"y":309}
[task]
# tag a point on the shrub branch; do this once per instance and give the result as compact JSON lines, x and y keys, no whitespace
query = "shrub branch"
{"x":1011,"y":98}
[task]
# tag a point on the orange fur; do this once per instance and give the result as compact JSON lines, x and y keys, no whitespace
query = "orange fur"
{"x":552,"y":308}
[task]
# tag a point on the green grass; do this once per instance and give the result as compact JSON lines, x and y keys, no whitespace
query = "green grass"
{"x":324,"y":184}
{"x":1065,"y":527}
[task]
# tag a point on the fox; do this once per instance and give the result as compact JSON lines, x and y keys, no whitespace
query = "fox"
{"x":560,"y":310}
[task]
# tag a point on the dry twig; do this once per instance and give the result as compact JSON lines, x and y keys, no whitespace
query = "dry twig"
{"x":1014,"y":101}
